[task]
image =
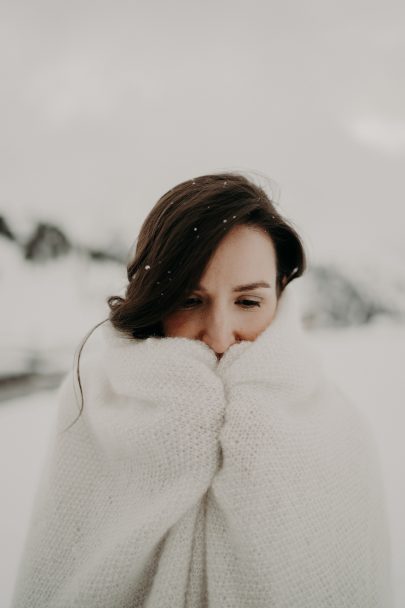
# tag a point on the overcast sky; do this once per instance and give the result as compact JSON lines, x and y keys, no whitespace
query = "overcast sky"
{"x":106,"y":105}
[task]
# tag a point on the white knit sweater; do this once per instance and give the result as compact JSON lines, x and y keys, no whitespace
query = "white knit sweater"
{"x":248,"y":483}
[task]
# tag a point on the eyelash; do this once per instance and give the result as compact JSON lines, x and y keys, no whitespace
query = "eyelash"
{"x":252,"y":303}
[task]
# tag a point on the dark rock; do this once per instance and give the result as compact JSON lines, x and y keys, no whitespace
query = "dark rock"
{"x":101,"y":255}
{"x":21,"y":385}
{"x":47,"y":242}
{"x":337,"y":300}
{"x":5,"y":230}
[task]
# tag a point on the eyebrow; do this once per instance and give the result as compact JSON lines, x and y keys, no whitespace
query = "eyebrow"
{"x":247,"y":287}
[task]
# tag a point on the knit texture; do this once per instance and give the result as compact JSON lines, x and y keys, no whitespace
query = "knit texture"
{"x":252,"y":482}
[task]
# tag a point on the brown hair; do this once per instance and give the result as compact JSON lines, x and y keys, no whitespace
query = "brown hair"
{"x":178,"y":238}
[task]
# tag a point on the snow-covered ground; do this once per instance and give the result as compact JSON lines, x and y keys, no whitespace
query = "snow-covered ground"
{"x":367,"y":362}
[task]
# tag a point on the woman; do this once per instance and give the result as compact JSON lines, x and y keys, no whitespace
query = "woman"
{"x":212,"y":462}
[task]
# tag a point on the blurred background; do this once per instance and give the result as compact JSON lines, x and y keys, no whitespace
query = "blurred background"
{"x":107,"y":105}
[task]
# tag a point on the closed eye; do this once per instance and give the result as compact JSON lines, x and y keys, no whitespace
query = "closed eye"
{"x":248,"y":303}
{"x":194,"y":302}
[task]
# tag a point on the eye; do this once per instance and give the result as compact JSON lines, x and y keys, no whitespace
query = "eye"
{"x":249,"y":303}
{"x":192,"y":302}
{"x":189,"y":303}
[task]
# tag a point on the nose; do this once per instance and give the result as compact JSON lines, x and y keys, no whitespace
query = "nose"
{"x":219,"y":334}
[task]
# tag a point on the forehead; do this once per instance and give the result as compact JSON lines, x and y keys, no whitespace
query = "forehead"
{"x":243,"y":254}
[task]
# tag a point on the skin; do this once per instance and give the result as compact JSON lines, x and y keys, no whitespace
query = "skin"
{"x":218,"y":316}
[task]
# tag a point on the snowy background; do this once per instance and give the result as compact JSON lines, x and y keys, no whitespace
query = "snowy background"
{"x":105,"y":106}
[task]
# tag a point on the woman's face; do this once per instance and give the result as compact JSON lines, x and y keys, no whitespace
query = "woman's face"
{"x":224,"y":309}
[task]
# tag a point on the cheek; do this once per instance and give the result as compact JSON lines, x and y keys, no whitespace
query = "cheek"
{"x":254,"y":325}
{"x":267,"y":315}
{"x":177,"y":325}
{"x":250,"y":324}
{"x":271,"y":313}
